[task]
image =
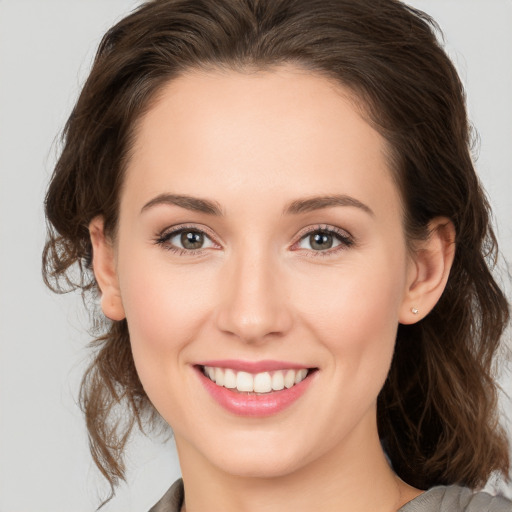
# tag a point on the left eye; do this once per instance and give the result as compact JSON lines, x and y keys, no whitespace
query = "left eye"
{"x":189,"y":239}
{"x":322,"y":240}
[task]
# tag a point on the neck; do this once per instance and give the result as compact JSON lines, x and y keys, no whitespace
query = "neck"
{"x":353,"y":478}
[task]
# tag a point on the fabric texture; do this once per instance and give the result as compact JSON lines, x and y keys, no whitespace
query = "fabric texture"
{"x":456,"y":499}
{"x":438,"y":499}
{"x":172,"y":499}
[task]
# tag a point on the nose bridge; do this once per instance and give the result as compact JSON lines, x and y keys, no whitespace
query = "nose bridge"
{"x":253,"y":301}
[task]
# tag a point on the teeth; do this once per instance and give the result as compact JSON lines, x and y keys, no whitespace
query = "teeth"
{"x":219,"y":376}
{"x":263,"y":382}
{"x":244,"y":382}
{"x":229,"y":379}
{"x":289,"y":378}
{"x":277,"y":381}
{"x":300,"y":375}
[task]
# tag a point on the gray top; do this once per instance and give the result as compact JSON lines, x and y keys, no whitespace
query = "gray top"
{"x":437,"y":499}
{"x":456,"y":499}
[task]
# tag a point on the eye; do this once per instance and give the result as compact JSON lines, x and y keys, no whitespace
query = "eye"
{"x":325,"y":239}
{"x":185,"y":240}
{"x":190,"y":240}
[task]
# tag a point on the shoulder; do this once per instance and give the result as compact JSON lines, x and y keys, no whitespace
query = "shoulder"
{"x":457,"y":499}
{"x":172,"y":499}
{"x":438,"y":499}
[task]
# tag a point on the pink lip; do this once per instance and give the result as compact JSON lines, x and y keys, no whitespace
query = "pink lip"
{"x":252,"y":405}
{"x":253,"y":366}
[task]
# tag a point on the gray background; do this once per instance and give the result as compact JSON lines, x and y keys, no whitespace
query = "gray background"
{"x":46,"y":47}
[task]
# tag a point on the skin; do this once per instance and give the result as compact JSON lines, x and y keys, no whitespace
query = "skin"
{"x":253,"y":143}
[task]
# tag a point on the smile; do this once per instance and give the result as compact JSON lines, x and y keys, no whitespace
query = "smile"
{"x":263,"y":382}
{"x":254,"y":390}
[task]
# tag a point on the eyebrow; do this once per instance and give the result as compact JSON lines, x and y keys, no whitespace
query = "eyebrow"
{"x":188,"y":202}
{"x":296,"y":207}
{"x":318,"y":202}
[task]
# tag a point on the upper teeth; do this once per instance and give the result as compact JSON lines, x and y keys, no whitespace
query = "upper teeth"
{"x":263,"y":382}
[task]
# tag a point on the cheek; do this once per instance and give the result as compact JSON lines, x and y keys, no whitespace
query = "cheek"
{"x":164,"y":309}
{"x":355,"y":314}
{"x":356,"y":296}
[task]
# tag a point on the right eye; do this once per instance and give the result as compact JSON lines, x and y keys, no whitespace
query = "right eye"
{"x":185,"y":240}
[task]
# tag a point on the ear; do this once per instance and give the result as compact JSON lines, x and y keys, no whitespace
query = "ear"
{"x":429,"y":270}
{"x":103,"y":262}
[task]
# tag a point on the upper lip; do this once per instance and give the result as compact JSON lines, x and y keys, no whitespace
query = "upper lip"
{"x":253,"y":366}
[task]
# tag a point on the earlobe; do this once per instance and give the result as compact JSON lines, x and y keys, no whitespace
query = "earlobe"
{"x":103,"y":262}
{"x":429,"y":271}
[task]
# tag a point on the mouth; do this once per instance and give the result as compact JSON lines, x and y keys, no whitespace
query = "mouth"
{"x":255,"y":389}
{"x":255,"y":383}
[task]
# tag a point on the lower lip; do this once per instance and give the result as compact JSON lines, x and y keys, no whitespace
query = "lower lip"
{"x":253,"y":405}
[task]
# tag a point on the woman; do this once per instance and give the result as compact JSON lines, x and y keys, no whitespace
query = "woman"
{"x":275,"y":203}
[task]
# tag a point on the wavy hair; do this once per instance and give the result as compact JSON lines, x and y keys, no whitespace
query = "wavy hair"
{"x":437,"y":412}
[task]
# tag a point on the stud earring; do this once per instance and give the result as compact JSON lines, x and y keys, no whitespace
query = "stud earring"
{"x":414,"y":311}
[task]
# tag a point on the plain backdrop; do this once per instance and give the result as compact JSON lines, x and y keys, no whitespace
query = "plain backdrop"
{"x":46,"y":47}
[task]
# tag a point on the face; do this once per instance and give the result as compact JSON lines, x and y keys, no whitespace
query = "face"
{"x":260,"y":242}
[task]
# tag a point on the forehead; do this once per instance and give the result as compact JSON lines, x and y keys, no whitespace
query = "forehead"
{"x":250,"y":133}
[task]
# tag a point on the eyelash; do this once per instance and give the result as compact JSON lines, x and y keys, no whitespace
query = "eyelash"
{"x":346,"y":240}
{"x":163,"y":240}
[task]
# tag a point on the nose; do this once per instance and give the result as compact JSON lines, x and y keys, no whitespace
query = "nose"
{"x":253,"y":303}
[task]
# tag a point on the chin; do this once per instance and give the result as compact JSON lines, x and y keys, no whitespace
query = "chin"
{"x":259,"y":467}
{"x":252,"y":460}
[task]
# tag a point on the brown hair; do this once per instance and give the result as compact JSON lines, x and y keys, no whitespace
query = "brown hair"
{"x":437,"y":412}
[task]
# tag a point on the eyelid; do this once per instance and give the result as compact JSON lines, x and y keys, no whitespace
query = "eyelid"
{"x":162,"y":238}
{"x":183,"y":227}
{"x":346,"y":239}
{"x":343,"y":233}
